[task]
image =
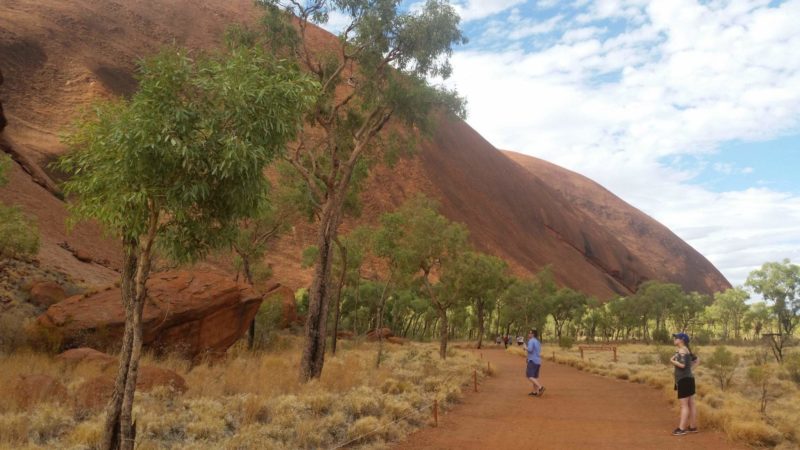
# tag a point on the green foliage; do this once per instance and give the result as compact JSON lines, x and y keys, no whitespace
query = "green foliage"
{"x":189,"y":147}
{"x":723,"y":363}
{"x":19,"y":235}
{"x":268,"y":323}
{"x":702,"y":337}
{"x":526,"y":303}
{"x":566,"y":305}
{"x":730,"y":308}
{"x":662,"y":336}
{"x":417,"y":240}
{"x":779,"y":283}
{"x":566,"y":342}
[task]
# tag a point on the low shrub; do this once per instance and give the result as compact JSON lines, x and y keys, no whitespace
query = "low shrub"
{"x":791,"y":363}
{"x":566,"y":342}
{"x":723,"y":365}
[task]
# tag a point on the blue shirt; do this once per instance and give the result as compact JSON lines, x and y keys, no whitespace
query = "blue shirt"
{"x":535,"y":351}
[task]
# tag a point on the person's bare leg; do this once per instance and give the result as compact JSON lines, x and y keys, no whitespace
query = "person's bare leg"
{"x":692,"y":413}
{"x":684,"y":414}
{"x":535,"y":384}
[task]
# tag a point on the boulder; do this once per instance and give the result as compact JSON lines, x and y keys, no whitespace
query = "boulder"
{"x":87,"y":355}
{"x":192,"y":313}
{"x":345,"y":334}
{"x":32,"y":389}
{"x":45,"y":294}
{"x":379,"y":333}
{"x":93,"y":394}
{"x":151,"y":377}
{"x":396,"y":340}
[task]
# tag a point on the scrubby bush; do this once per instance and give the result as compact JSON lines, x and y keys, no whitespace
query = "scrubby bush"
{"x":645,"y":360}
{"x":19,"y":235}
{"x":723,"y":364}
{"x":791,"y":363}
{"x":702,"y":337}
{"x":665,"y":355}
{"x":662,"y":336}
{"x":566,"y":342}
{"x":761,"y":376}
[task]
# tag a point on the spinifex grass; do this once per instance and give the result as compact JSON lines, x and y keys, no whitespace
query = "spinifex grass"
{"x":252,"y":400}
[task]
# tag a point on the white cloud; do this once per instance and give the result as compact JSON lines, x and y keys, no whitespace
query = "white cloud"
{"x":683,"y":77}
{"x":478,"y":9}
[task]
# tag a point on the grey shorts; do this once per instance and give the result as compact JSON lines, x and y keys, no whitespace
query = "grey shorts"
{"x":532,"y":371}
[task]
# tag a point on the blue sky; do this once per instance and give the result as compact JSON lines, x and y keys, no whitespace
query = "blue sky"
{"x":687,"y":109}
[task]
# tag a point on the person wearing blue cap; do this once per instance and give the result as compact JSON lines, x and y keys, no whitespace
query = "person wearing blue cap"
{"x":683,"y":360}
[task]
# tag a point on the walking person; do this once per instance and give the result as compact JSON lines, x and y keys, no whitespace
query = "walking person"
{"x":534,"y":362}
{"x":684,"y":360}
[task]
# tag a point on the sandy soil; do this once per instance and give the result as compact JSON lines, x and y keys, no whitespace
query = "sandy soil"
{"x":577,"y":411}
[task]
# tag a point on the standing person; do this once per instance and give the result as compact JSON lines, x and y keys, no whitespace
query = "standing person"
{"x":505,"y":341}
{"x":534,"y":361}
{"x":683,"y":360}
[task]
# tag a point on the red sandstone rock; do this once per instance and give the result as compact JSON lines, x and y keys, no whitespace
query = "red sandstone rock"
{"x":45,"y":294}
{"x":345,"y":334}
{"x":396,"y":340}
{"x":87,"y":355}
{"x":382,"y":333}
{"x":151,"y":377}
{"x":93,"y":394}
{"x":194,"y":313}
{"x":37,"y":388}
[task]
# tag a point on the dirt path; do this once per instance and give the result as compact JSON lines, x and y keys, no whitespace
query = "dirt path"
{"x":577,"y":411}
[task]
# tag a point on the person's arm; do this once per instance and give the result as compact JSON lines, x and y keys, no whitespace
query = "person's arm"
{"x":676,"y":361}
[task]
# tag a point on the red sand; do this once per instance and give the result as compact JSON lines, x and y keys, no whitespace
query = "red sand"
{"x":577,"y":411}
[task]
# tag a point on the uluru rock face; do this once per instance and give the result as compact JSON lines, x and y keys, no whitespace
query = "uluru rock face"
{"x":193,"y":313}
{"x":58,"y":56}
{"x":663,"y":255}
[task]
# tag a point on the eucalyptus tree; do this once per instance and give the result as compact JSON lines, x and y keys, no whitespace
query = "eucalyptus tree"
{"x":479,"y":279}
{"x":178,"y":165}
{"x":730,"y":307}
{"x":421,"y":243}
{"x":779,"y":284}
{"x":686,"y":308}
{"x":376,"y":70}
{"x":527,"y":302}
{"x":566,"y":305}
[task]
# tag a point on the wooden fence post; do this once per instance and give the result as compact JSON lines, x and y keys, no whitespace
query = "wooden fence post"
{"x":475,"y":379}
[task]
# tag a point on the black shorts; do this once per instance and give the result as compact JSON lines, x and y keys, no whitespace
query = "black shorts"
{"x":685,"y":387}
{"x":532,"y":371}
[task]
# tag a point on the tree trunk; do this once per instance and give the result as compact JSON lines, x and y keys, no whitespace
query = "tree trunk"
{"x":119,"y":428}
{"x":443,"y":333}
{"x":248,"y":275}
{"x":314,"y":352}
{"x":480,"y":308}
{"x":111,"y":428}
{"x":379,"y":319}
{"x":337,"y":311}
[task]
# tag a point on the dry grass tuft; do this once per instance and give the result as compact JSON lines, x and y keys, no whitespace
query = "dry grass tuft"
{"x":251,"y":400}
